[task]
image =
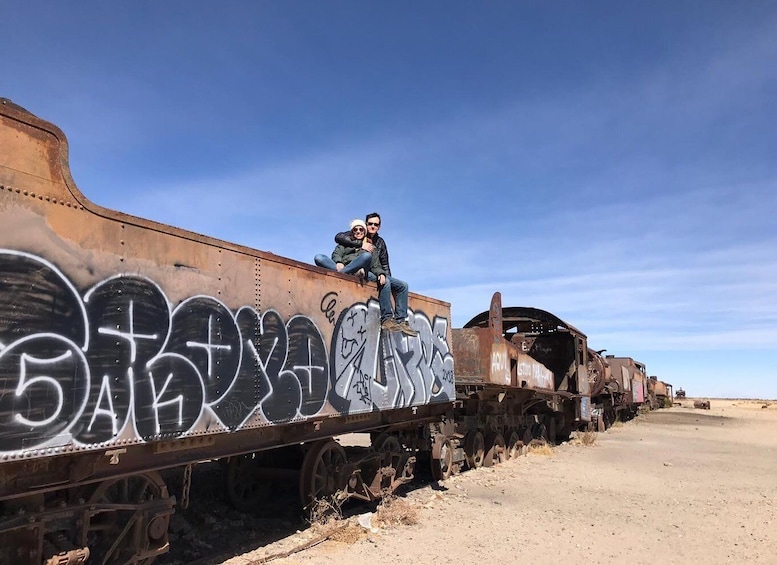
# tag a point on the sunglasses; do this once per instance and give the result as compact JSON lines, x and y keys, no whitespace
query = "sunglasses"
{"x":373,"y":223}
{"x":357,"y":230}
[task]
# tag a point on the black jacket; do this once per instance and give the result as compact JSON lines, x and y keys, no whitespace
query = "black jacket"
{"x":346,"y":239}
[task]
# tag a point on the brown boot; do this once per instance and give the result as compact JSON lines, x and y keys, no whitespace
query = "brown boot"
{"x":405,"y":328}
{"x":390,"y":325}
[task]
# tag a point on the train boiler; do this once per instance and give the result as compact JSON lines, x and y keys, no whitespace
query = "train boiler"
{"x":128,"y":347}
{"x":521,"y":374}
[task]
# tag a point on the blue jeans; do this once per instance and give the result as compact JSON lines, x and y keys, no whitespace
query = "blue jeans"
{"x":362,"y":261}
{"x":399,"y":289}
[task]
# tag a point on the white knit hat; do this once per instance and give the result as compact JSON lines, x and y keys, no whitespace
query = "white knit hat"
{"x":358,"y":222}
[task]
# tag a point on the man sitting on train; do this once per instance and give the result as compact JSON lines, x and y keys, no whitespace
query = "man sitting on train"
{"x":392,"y":318}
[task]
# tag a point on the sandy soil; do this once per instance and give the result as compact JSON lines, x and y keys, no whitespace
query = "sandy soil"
{"x":678,"y":485}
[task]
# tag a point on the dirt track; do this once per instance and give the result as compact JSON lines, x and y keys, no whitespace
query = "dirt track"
{"x":674,"y":486}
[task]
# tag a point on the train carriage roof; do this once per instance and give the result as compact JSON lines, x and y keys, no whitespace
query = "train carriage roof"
{"x":526,"y":320}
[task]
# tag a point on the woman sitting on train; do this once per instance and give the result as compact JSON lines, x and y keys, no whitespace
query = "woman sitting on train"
{"x":352,"y":260}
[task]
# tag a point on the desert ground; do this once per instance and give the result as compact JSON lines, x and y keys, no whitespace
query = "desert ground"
{"x":678,"y":485}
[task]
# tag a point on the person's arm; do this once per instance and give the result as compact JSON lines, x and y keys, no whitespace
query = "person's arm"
{"x":346,"y":239}
{"x":377,"y":269}
{"x":337,"y":257}
{"x":384,"y":258}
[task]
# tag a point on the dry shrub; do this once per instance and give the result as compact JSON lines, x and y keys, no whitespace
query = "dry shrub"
{"x":350,"y":533}
{"x":393,"y":511}
{"x":326,"y":511}
{"x":586,"y":438}
{"x":540,"y":448}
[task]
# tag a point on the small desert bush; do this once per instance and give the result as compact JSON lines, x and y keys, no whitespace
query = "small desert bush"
{"x":349,"y":533}
{"x":587,"y":438}
{"x":393,"y":511}
{"x":325,"y":511}
{"x":539,"y":448}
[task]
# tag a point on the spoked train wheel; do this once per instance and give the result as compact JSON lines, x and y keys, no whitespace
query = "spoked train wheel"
{"x":474,"y":449}
{"x":129,"y":523}
{"x":246,"y":487}
{"x":513,"y":445}
{"x":495,"y":450}
{"x":442,"y":468}
{"x":321,"y":475}
{"x":392,"y":456}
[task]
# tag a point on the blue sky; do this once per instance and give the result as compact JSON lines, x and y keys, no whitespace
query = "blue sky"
{"x":614,"y":163}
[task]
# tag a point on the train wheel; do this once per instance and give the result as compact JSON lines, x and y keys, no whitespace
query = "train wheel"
{"x":246,"y":488}
{"x":321,"y":475}
{"x":474,"y":449}
{"x":442,"y":468}
{"x":495,"y":450}
{"x":539,"y":432}
{"x":526,"y":436}
{"x":129,"y":534}
{"x":552,"y":431}
{"x":514,"y":444}
{"x":387,"y":443}
{"x":390,"y":446}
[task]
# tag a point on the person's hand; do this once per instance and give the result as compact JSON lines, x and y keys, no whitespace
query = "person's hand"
{"x":382,"y":279}
{"x":340,"y":267}
{"x":367,"y":246}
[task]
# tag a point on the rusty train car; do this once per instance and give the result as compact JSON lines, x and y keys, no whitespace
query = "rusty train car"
{"x":659,"y":393}
{"x":620,"y":388}
{"x":633,"y":375}
{"x":128,"y":347}
{"x":521,"y":374}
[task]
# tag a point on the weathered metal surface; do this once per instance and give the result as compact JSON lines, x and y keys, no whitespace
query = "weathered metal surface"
{"x":547,"y":339}
{"x":659,"y":387}
{"x":702,"y":404}
{"x":638,"y":391}
{"x":484,"y":356}
{"x":633,"y":374}
{"x":524,"y":348}
{"x":480,"y":360}
{"x":599,"y":374}
{"x":117,"y":331}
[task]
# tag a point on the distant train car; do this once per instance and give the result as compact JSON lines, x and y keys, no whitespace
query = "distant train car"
{"x":633,"y":377}
{"x":660,"y":393}
{"x":521,"y":373}
{"x":128,"y":346}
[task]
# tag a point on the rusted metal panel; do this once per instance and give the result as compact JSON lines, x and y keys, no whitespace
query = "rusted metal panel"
{"x":533,"y":374}
{"x":659,"y":387}
{"x":527,"y":349}
{"x":598,"y":373}
{"x":484,"y":356}
{"x":119,"y":331}
{"x":633,"y":377}
{"x":638,"y":391}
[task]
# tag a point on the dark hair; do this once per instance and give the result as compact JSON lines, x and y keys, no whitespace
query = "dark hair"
{"x":372,"y":215}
